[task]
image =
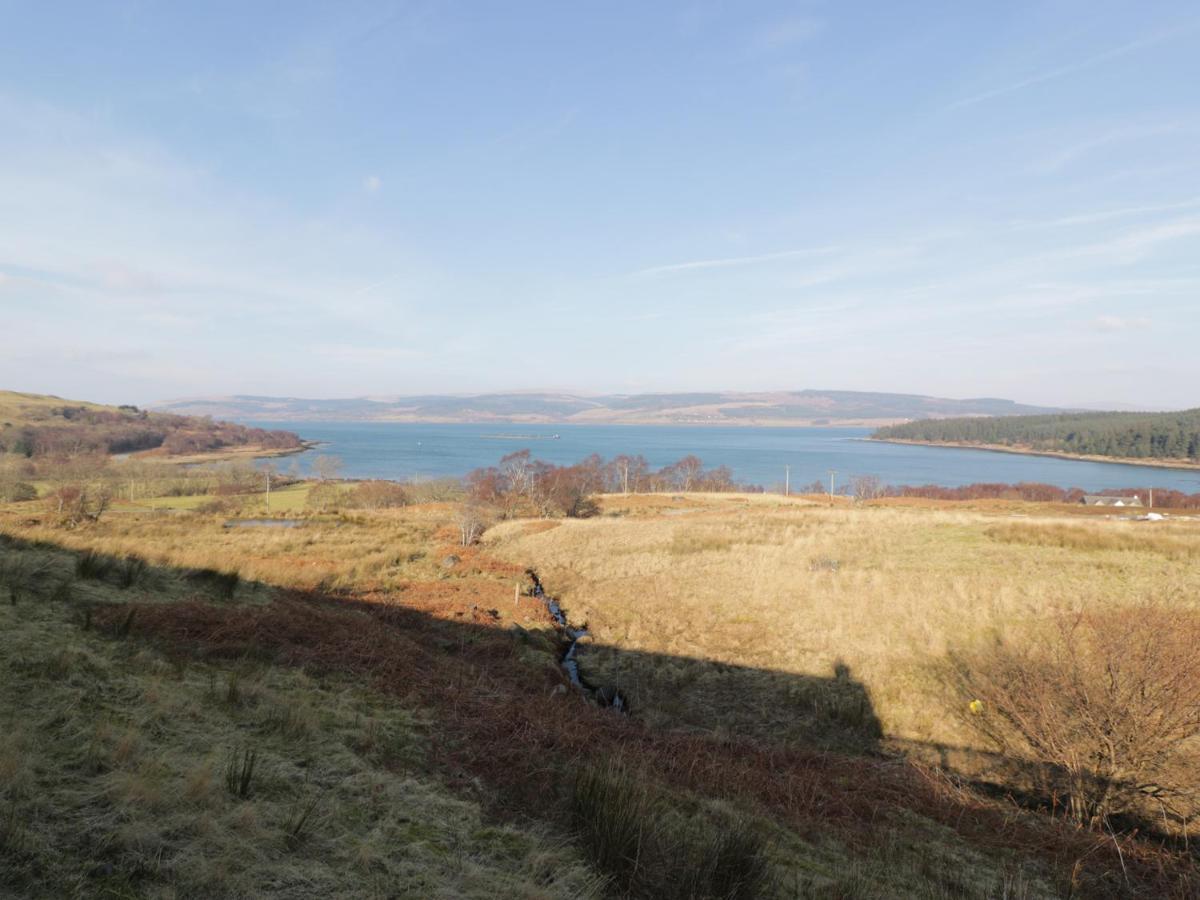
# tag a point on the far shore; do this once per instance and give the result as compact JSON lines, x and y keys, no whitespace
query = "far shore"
{"x":1056,"y":454}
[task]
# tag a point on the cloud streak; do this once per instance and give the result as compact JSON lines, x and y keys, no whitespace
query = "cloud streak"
{"x":733,"y":261}
{"x":1072,"y":68}
{"x":1120,"y":323}
{"x":1108,"y":215}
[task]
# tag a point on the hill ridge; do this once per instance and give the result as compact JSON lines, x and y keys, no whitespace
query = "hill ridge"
{"x":784,"y":407}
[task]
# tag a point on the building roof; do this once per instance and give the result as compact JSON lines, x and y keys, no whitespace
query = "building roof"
{"x":1110,"y":500}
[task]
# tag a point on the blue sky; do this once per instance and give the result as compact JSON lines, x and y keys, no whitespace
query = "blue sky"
{"x":336,"y":199}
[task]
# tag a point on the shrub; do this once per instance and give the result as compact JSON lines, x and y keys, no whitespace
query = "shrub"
{"x":17,"y":492}
{"x":326,"y":497}
{"x":220,"y":506}
{"x":436,"y":490}
{"x":378,"y":495}
{"x":1100,"y":706}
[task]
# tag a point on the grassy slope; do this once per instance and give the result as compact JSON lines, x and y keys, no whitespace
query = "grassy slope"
{"x":114,"y":761}
{"x":29,"y":409}
{"x":333,"y":687}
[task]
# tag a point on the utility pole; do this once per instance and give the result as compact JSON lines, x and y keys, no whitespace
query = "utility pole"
{"x":787,"y":480}
{"x":832,"y":472}
{"x":268,"y":491}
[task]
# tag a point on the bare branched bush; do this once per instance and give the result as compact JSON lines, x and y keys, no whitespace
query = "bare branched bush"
{"x":75,"y":504}
{"x":473,"y":520}
{"x":1104,"y":705}
{"x":326,"y":467}
{"x":867,"y":487}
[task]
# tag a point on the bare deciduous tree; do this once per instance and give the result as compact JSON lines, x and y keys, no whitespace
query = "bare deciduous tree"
{"x":867,"y":487}
{"x":472,"y":522}
{"x":327,"y":467}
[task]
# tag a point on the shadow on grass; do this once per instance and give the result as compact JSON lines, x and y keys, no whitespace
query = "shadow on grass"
{"x":504,"y":716}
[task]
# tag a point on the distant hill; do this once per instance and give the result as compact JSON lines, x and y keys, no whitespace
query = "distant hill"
{"x":1125,"y":435}
{"x":807,"y":407}
{"x":44,"y":425}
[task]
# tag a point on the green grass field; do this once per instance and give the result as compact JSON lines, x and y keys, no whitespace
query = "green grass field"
{"x":289,"y":499}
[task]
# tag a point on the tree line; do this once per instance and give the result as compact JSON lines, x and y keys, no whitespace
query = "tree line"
{"x":1171,"y":435}
{"x":521,"y":484}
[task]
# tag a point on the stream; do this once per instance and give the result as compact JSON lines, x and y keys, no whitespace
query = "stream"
{"x":605,"y":696}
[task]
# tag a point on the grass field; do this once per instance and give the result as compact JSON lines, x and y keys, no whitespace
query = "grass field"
{"x":412,"y":733}
{"x":874,"y":592}
{"x":289,"y":499}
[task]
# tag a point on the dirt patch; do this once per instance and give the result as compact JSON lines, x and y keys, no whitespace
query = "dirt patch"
{"x":540,"y":527}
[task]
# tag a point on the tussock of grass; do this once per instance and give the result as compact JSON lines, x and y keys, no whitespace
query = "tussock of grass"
{"x":647,"y":851}
{"x":239,"y":773}
{"x":130,"y":571}
{"x":221,"y":584}
{"x":94,"y":566}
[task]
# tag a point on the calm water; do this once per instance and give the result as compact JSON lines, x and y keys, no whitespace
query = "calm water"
{"x":756,"y":455}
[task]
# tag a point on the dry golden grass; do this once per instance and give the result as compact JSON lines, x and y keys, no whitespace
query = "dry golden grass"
{"x":777,"y":591}
{"x":801,"y":589}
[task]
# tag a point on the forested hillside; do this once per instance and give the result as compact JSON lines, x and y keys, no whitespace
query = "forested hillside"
{"x":1170,"y":435}
{"x":45,"y":426}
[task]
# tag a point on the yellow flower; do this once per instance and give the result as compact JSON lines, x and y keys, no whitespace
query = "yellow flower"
{"x":975,"y":706}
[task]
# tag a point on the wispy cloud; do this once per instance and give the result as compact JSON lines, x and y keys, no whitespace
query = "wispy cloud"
{"x":1072,"y":68}
{"x":359,"y":354}
{"x":785,"y":33}
{"x":1137,"y":244}
{"x":372,"y":183}
{"x":731,"y":261}
{"x":1108,"y":215}
{"x":1120,"y":323}
{"x":1067,"y":155}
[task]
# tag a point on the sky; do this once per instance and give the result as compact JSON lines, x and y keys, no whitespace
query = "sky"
{"x":369,"y":199}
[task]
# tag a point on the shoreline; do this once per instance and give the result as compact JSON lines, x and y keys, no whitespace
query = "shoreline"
{"x":559,"y":423}
{"x":1185,"y":465}
{"x":227,"y":454}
